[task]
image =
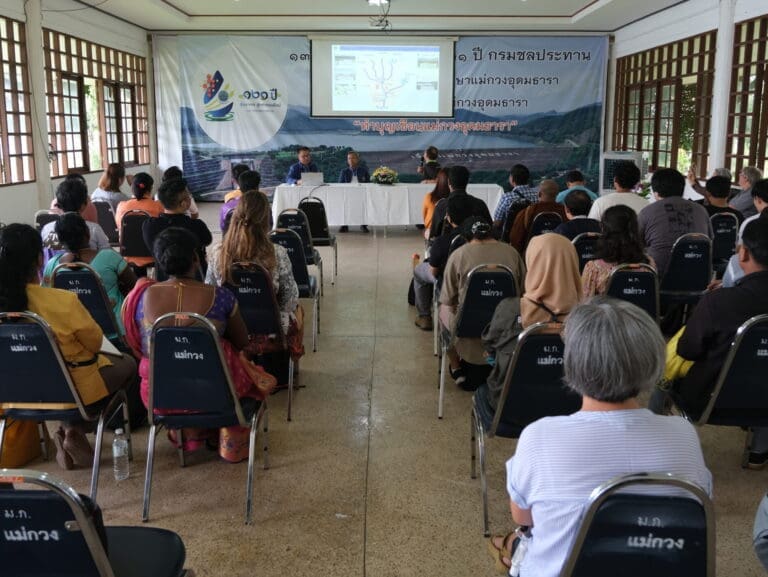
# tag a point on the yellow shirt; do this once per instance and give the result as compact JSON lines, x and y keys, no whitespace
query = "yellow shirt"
{"x":79,"y":337}
{"x":234,"y":194}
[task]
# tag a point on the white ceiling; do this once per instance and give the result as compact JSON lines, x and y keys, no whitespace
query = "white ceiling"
{"x":405,"y":15}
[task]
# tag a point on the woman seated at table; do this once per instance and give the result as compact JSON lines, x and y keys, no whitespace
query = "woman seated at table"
{"x":95,"y":375}
{"x":552,"y":289}
{"x":482,"y":248}
{"x":613,"y":352}
{"x":620,"y":243}
{"x":115,"y":274}
{"x":247,"y":240}
{"x":175,"y":252}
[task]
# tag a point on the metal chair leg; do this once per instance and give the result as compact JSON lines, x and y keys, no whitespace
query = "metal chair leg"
{"x":441,"y":394}
{"x":44,"y":436}
{"x":265,"y":436}
{"x":2,"y":434}
{"x":322,"y":278}
{"x":148,"y":473}
{"x":249,"y":482}
{"x":335,"y":262}
{"x":472,"y":441}
{"x":747,"y":447}
{"x":483,"y":480}
{"x":315,"y":323}
{"x":97,"y":458}
{"x":180,"y":449}
{"x":290,"y":387}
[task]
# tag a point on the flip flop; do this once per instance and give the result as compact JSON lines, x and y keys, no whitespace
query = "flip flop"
{"x":501,"y":553}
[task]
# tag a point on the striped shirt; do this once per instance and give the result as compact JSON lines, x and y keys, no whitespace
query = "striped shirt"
{"x":560,"y":460}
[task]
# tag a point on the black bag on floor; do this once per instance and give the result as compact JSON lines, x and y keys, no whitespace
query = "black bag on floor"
{"x":411,"y":294}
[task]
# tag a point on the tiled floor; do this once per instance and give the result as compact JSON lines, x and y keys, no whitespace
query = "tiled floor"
{"x":366,"y":481}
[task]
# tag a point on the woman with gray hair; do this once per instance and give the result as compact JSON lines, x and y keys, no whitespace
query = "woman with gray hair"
{"x":613,"y":352}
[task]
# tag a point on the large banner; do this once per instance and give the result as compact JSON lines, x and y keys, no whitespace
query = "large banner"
{"x":223,"y":100}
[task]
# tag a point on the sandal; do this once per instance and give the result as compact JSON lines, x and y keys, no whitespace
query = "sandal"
{"x":458,"y":375}
{"x":502,"y":553}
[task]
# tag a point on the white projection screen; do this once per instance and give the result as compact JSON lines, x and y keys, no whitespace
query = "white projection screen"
{"x":385,"y":77}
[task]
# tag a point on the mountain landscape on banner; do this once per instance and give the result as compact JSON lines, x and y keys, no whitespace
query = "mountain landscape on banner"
{"x":550,"y":143}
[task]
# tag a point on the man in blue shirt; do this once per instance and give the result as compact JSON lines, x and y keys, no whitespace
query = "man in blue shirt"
{"x":354,"y":170}
{"x":305,"y":164}
{"x":574,"y":180}
{"x":519,"y":177}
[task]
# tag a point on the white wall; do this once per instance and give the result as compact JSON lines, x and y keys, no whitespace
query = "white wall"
{"x":18,"y":203}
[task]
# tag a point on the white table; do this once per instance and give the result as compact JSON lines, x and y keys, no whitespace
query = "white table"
{"x":372,"y":204}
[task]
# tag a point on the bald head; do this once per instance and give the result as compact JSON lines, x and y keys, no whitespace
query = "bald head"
{"x":548,"y":190}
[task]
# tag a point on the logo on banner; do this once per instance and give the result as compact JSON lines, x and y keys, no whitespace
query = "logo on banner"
{"x":217,"y":98}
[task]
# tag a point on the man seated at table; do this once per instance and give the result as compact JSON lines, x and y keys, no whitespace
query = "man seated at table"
{"x":304,"y":164}
{"x":355,"y":173}
{"x":428,"y":158}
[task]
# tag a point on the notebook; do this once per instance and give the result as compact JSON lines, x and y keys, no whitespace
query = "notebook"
{"x":311,"y":178}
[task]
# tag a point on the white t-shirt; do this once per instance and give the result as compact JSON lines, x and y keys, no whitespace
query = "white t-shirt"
{"x":632,"y":200}
{"x":113,"y":198}
{"x":98,"y":240}
{"x":559,"y":461}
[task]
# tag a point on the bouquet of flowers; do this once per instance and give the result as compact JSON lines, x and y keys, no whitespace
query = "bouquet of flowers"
{"x":384,"y":175}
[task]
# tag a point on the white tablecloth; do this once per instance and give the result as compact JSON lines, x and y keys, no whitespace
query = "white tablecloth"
{"x":372,"y":204}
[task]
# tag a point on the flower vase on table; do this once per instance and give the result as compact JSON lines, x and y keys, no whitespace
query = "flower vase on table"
{"x":384,"y":175}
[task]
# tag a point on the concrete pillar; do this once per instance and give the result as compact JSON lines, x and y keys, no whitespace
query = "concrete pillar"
{"x":718,"y":141}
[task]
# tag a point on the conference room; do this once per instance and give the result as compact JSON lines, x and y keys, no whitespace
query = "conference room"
{"x":346,"y":468}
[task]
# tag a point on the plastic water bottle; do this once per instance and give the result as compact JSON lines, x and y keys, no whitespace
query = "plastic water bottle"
{"x":517,"y":559}
{"x":120,"y":456}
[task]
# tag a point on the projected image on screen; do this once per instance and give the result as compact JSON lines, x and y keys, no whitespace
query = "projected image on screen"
{"x":385,"y":78}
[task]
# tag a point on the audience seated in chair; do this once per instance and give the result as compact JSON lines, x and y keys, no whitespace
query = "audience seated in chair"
{"x":552,"y":289}
{"x":715,"y":201}
{"x":247,"y":180}
{"x":95,"y":375}
{"x":458,"y":179}
{"x":671,"y":216}
{"x":176,"y":254}
{"x":733,"y":271}
{"x":116,"y":276}
{"x":237,"y":170}
{"x":577,"y":204}
{"x":574,"y":180}
{"x":613,"y":352}
{"x":742,"y":201}
{"x":706,"y":338}
{"x":619,"y":244}
{"x":626,"y":176}
{"x":176,"y":201}
{"x":247,"y":241}
{"x":72,"y":196}
{"x":426,"y":273}
{"x":521,"y":229}
{"x":109,"y":186}
{"x":441,"y":191}
{"x":522,"y":191}
{"x":142,"y":200}
{"x":482,"y":248}
{"x":89,"y":213}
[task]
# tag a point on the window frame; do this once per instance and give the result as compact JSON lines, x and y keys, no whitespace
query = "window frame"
{"x":72,"y":56}
{"x":15,"y":124}
{"x":655,"y":68}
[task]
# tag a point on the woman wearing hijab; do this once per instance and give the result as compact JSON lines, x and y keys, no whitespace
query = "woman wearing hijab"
{"x":552,"y":290}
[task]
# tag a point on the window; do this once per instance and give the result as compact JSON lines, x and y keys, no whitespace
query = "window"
{"x":96,"y":104}
{"x":748,"y":110}
{"x":663,"y":102}
{"x":16,"y":154}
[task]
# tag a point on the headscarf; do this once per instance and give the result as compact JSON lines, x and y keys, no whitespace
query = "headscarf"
{"x":552,"y":280}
